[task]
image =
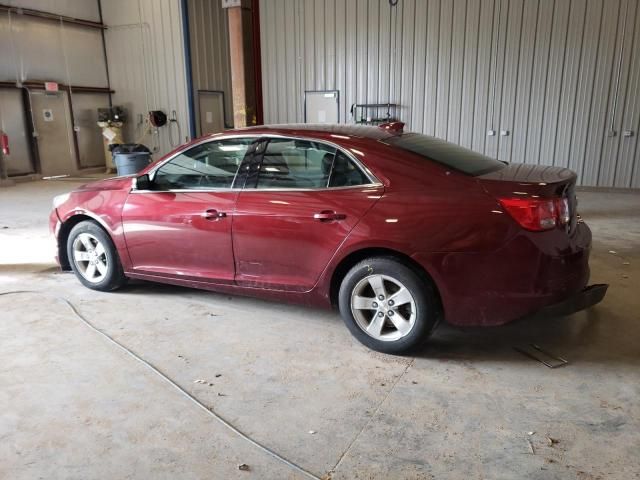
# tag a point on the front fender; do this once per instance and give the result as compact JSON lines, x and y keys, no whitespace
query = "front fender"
{"x":103,"y":207}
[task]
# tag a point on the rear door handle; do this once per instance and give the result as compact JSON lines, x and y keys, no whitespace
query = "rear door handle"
{"x":213,"y":214}
{"x":328,"y":216}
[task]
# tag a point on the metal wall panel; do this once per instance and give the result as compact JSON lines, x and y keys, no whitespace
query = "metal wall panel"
{"x":37,"y":49}
{"x":555,"y":70}
{"x":145,"y":51}
{"x":351,"y":42}
{"x":469,"y":69}
{"x":282,"y":99}
{"x":568,"y":92}
{"x":210,"y":59}
{"x":615,"y":138}
{"x":628,"y":168}
{"x":483,"y":74}
{"x":81,"y":9}
{"x":431,"y":66}
{"x":507,"y":104}
{"x":538,"y":87}
{"x":545,"y":71}
{"x":443,"y":79}
{"x":597,"y":132}
{"x":495,"y":78}
{"x":89,"y":135}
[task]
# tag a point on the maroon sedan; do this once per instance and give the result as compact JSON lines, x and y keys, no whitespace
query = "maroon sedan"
{"x":397,"y":229}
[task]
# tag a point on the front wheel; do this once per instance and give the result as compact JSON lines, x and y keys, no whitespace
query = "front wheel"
{"x":94,"y":258}
{"x":387,"y":306}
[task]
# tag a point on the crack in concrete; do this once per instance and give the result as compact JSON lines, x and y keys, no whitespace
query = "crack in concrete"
{"x":373,"y":415}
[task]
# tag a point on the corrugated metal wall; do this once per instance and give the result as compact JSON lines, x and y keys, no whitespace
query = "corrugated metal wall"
{"x":145,"y":52}
{"x":209,"y":38}
{"x":36,"y":49}
{"x":543,"y":72}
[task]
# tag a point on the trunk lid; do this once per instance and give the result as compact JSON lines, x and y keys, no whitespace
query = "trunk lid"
{"x":518,"y":180}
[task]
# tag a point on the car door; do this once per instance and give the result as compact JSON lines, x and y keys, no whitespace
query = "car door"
{"x":181,"y":227}
{"x":299,"y":203}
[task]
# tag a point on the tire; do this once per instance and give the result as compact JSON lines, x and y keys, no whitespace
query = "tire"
{"x":94,"y":259}
{"x":383,"y":324}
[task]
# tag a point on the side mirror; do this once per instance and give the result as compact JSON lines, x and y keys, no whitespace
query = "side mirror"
{"x":143,"y":182}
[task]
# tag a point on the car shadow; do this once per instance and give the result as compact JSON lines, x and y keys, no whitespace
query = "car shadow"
{"x":586,"y":336}
{"x":141,"y":287}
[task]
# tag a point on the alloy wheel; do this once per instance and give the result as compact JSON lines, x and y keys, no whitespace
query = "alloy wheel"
{"x":383,"y":307}
{"x":90,"y":258}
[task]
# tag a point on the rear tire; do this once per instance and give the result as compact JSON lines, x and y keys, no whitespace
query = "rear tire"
{"x":387,"y":306}
{"x":93,"y":258}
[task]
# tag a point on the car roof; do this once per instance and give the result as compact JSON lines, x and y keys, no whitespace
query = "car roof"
{"x":321,"y":129}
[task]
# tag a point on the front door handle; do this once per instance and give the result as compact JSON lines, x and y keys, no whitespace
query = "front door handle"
{"x":213,"y":214}
{"x":328,"y":216}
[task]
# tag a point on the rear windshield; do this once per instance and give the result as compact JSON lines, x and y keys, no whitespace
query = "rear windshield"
{"x":448,"y":154}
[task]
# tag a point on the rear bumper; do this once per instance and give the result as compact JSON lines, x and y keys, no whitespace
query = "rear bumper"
{"x":587,"y":297}
{"x":528,"y":274}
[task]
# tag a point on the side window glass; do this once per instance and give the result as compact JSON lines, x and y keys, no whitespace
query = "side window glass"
{"x":207,"y":166}
{"x":345,"y":173}
{"x":290,"y":163}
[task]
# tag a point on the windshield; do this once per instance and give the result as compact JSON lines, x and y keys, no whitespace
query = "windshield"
{"x":446,"y":153}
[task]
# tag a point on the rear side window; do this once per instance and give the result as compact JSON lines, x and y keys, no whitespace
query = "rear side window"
{"x":344,"y":173}
{"x":446,"y":153}
{"x":302,"y":164}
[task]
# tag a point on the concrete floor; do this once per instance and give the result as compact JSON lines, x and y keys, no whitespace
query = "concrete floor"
{"x":72,"y":405}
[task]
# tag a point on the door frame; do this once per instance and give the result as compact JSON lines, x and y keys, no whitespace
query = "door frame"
{"x":32,"y":146}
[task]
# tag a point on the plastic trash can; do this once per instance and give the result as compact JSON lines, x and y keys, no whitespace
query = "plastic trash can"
{"x":130,"y":158}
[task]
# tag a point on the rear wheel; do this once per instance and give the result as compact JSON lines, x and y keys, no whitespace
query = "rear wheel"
{"x":93,"y":258}
{"x":387,"y":306}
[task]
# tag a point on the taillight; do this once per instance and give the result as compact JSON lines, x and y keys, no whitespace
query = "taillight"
{"x":562,"y":210}
{"x":535,"y":214}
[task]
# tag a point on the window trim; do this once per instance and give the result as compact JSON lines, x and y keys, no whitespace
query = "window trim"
{"x":154,"y":170}
{"x":374,"y":181}
{"x":233,"y":181}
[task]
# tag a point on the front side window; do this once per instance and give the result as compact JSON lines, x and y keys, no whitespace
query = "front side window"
{"x":296,"y":164}
{"x":208,"y":166}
